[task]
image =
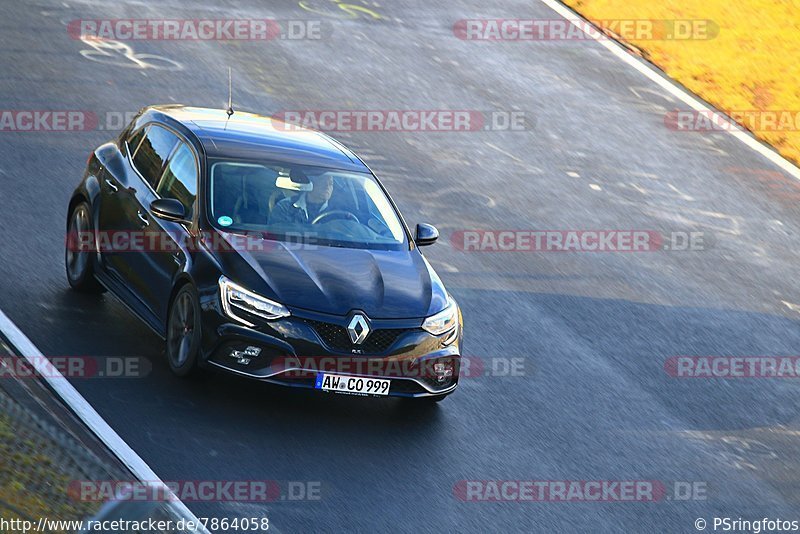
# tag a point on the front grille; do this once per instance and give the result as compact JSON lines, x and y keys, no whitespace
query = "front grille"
{"x":336,"y":337}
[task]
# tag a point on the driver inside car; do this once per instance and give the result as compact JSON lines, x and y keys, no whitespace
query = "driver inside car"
{"x":306,"y":206}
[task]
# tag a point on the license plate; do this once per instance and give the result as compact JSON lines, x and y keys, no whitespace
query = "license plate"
{"x":352,"y":385}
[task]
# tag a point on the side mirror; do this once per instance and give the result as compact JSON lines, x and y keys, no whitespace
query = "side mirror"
{"x":168,"y":209}
{"x":427,"y":234}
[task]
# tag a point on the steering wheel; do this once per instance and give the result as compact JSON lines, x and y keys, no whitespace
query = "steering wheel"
{"x":339,"y":214}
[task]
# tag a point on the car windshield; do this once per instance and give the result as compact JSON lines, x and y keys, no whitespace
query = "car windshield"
{"x":303,"y":204}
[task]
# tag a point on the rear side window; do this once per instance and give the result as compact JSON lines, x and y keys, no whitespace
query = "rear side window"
{"x":149,"y":159}
{"x":134,"y":140}
{"x":180,"y":179}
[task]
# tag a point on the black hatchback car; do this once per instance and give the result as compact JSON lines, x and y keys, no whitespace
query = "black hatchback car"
{"x":265,"y":250}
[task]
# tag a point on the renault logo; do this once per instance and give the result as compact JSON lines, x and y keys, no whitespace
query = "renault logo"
{"x":358,"y":329}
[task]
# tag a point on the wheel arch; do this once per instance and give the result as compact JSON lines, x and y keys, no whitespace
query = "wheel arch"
{"x":87,"y":192}
{"x":183,"y":278}
{"x":76,"y":199}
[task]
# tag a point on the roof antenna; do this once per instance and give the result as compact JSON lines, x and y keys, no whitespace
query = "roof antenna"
{"x":230,"y":94}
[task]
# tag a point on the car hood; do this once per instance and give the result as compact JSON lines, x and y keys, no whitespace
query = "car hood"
{"x":384,"y":284}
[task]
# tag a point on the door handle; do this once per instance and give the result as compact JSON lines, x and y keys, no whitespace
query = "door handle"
{"x":143,"y":218}
{"x":110,"y":184}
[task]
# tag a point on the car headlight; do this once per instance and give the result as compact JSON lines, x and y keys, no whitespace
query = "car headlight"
{"x":235,"y":297}
{"x":444,"y":321}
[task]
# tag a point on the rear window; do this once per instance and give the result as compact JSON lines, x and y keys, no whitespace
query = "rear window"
{"x":156,"y":146}
{"x":135,"y":140}
{"x":180,"y":179}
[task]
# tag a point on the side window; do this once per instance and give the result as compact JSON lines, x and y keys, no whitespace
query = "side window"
{"x":156,"y":146}
{"x":180,"y":179}
{"x":134,"y":140}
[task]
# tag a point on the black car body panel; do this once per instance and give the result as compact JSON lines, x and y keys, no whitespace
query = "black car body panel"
{"x":322,"y":287}
{"x":384,"y":284}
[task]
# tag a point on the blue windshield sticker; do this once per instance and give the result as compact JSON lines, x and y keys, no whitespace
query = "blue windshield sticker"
{"x":225,"y":221}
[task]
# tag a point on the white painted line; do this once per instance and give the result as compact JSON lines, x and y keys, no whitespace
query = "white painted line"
{"x":682,"y":94}
{"x":791,"y":306}
{"x":509,"y":154}
{"x":86,"y":413}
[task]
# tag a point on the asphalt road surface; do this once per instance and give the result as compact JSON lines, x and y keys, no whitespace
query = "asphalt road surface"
{"x":593,"y":330}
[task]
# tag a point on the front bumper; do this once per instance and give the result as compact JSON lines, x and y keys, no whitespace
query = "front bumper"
{"x":292,"y":351}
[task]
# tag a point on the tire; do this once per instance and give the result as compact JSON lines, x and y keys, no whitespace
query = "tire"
{"x":184,"y":332}
{"x":79,"y":263}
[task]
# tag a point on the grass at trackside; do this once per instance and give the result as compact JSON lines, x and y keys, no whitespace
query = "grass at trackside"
{"x":752,"y":64}
{"x":32,"y":485}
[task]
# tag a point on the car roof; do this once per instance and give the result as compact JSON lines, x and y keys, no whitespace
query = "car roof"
{"x":250,"y":136}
